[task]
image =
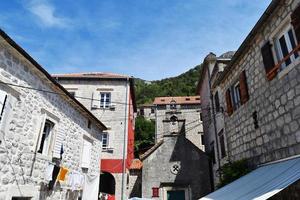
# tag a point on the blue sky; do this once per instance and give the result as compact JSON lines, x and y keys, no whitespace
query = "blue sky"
{"x":149,"y":39}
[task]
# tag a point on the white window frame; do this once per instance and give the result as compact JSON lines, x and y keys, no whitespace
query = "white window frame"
{"x":105,"y":103}
{"x":46,"y":115}
{"x":278,"y":49}
{"x":47,"y":147}
{"x":236,"y":96}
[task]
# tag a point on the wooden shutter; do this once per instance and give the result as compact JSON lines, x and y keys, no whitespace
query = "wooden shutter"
{"x":244,"y":88}
{"x":86,"y":154}
{"x":268,"y":59}
{"x":229,"y":103}
{"x":296,"y":22}
{"x":59,"y":138}
{"x":95,"y":100}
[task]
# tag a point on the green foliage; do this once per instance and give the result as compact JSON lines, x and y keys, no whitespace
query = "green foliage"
{"x":144,"y":134}
{"x":182,"y":85}
{"x":232,"y":171}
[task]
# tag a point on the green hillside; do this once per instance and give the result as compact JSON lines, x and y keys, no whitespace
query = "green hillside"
{"x":182,"y":85}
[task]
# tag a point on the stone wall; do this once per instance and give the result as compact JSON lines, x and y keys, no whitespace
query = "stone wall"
{"x":276,"y":102}
{"x":193,"y":125}
{"x":22,"y":169}
{"x":193,"y":173}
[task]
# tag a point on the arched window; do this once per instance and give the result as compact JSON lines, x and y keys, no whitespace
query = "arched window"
{"x":173,"y":104}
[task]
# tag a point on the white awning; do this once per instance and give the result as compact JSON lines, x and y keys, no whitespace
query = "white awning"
{"x":260,"y":184}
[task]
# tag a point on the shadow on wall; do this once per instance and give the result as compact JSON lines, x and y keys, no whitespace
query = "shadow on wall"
{"x":137,"y":187}
{"x":194,"y":167}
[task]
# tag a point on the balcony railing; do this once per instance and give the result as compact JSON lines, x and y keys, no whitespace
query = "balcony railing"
{"x":271,"y":74}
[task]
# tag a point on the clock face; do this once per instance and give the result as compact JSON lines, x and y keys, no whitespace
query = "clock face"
{"x":175,"y":168}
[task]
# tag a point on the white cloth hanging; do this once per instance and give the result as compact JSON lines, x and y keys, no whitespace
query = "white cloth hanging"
{"x":90,"y":188}
{"x":75,"y":181}
{"x":49,"y":172}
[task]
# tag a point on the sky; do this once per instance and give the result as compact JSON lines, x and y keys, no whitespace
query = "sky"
{"x":148,"y":39}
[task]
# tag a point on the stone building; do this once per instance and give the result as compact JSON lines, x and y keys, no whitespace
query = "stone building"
{"x":182,"y":110}
{"x":176,"y":167}
{"x":212,"y":107}
{"x":261,"y":88}
{"x":111,"y":98}
{"x":147,"y":111}
{"x":43,"y":131}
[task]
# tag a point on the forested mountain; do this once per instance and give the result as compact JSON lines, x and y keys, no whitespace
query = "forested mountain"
{"x":182,"y":85}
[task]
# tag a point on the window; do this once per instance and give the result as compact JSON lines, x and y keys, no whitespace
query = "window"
{"x":105,"y":100}
{"x":46,"y":138}
{"x":173,"y":104}
{"x":236,"y":95}
{"x":285,"y":43}
{"x":105,"y":140}
{"x":3,"y":97}
{"x":152,"y":110}
{"x":255,"y":119}
{"x":202,"y":138}
{"x":217,"y":102}
{"x":142,"y":112}
{"x":155,"y":192}
{"x":222,"y":143}
{"x":89,"y":124}
{"x":86,"y":153}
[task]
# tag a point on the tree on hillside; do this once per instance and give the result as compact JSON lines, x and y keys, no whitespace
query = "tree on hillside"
{"x":144,"y":134}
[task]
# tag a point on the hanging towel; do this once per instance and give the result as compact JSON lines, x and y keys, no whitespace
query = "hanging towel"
{"x":90,"y":188}
{"x":54,"y":176}
{"x":62,"y":174}
{"x":49,"y":172}
{"x":75,"y":181}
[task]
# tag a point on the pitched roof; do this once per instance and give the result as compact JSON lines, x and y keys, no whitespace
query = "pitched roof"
{"x":98,"y":75}
{"x":178,"y":100}
{"x":136,"y":164}
{"x":146,"y":105}
{"x":151,"y":150}
{"x":21,"y":51}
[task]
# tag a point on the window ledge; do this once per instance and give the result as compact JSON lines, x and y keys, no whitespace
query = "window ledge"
{"x":108,"y":149}
{"x":43,"y":157}
{"x":287,"y":69}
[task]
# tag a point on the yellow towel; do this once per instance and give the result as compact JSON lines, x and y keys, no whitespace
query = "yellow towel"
{"x":62,"y":174}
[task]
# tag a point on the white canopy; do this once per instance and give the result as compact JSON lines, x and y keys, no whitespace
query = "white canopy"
{"x":260,"y":184}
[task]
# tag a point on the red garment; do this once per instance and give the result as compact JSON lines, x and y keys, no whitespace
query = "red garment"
{"x":111,"y":197}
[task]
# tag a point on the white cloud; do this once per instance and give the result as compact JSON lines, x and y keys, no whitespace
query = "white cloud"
{"x":46,"y":14}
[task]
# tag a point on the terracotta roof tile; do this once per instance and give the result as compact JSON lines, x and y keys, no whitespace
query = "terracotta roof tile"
{"x":178,"y":100}
{"x":90,"y":75}
{"x":136,"y":164}
{"x":151,"y":150}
